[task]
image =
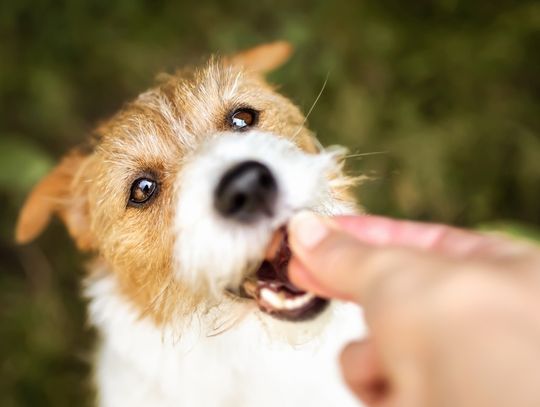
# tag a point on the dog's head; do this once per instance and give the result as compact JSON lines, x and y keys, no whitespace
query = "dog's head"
{"x":183,"y":191}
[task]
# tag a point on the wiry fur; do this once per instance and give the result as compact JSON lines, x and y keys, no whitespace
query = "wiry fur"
{"x":260,"y":362}
{"x":170,"y":334}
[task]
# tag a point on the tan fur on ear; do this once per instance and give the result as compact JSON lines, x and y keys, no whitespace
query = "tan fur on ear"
{"x":54,"y":194}
{"x":263,"y":58}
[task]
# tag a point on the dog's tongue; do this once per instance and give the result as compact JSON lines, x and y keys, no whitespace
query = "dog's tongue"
{"x":273,"y":273}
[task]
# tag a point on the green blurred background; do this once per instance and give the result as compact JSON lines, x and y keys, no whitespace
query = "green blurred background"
{"x":446,"y":92}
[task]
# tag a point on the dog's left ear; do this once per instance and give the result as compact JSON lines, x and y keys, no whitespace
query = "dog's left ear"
{"x":59,"y":193}
{"x":263,"y":58}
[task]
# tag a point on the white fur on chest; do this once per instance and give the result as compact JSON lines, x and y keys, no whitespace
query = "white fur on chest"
{"x":250,"y":364}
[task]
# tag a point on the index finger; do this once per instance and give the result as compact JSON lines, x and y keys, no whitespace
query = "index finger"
{"x":447,"y":240}
{"x":332,"y":263}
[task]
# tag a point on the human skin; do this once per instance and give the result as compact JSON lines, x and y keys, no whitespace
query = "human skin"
{"x":453,"y":315}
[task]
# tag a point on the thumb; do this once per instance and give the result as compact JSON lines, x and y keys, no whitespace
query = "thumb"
{"x":332,"y":263}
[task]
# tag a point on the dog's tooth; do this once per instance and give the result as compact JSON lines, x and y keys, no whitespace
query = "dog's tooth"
{"x":279,"y":300}
{"x":299,"y":301}
{"x":276,"y":300}
{"x":291,"y":304}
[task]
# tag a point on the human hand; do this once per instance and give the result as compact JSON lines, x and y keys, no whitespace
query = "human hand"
{"x":454,"y":316}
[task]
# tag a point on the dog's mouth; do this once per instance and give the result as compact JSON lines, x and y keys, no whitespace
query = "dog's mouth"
{"x":272,"y":290}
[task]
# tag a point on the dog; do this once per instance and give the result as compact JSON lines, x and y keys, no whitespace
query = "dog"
{"x":183,"y":198}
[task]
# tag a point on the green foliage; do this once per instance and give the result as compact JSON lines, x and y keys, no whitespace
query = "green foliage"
{"x":512,"y":229}
{"x":22,"y":164}
{"x":448,"y":90}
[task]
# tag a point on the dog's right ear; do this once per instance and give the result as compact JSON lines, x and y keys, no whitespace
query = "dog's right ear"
{"x":263,"y":58}
{"x":60,"y":194}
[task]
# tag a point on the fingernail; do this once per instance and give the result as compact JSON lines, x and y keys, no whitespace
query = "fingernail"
{"x":308,"y":229}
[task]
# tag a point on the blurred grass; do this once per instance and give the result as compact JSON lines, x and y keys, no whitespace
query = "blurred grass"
{"x":512,"y":229}
{"x":448,"y":89}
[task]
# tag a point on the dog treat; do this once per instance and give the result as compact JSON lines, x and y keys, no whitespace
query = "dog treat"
{"x":274,"y":293}
{"x":275,"y":244}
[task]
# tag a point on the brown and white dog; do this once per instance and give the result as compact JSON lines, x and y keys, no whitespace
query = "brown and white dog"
{"x":183,"y":196}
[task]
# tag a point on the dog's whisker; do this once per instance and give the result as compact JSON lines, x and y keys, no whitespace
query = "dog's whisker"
{"x":323,"y":87}
{"x":230,"y":323}
{"x":364,"y":154}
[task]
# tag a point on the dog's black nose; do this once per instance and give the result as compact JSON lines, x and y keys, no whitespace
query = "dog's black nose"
{"x":246,"y":192}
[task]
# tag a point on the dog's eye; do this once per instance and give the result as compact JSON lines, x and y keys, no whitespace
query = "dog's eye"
{"x":142,"y":190}
{"x":243,"y":118}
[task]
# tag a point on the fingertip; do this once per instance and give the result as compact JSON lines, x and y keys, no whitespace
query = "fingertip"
{"x":327,"y":260}
{"x":306,"y":231}
{"x":301,"y":277}
{"x":298,"y":274}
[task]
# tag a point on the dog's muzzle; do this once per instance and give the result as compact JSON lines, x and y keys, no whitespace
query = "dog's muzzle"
{"x":245,"y":194}
{"x":236,"y":194}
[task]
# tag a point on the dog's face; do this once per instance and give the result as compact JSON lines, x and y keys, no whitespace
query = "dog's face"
{"x":183,"y":191}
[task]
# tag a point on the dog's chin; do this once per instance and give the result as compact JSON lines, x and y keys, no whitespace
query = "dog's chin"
{"x":273,"y":292}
